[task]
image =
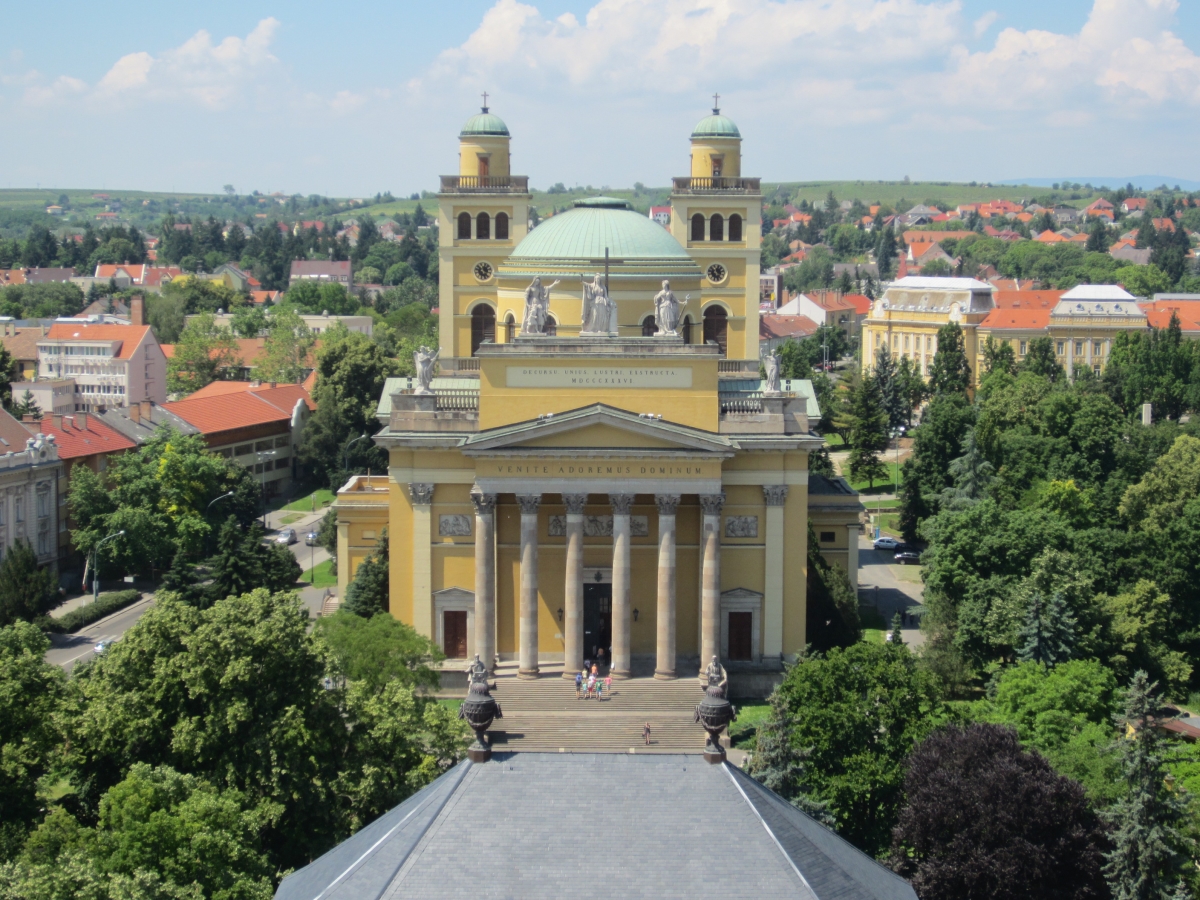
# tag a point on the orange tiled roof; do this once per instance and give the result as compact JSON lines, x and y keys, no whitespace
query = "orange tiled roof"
{"x":282,"y":396}
{"x":1017,"y":319}
{"x":1161,"y":318}
{"x":772,"y":326}
{"x":1026,"y":299}
{"x":130,"y":336}
{"x":226,"y":412}
{"x":82,"y":435}
{"x":1050,"y":237}
{"x":926,"y":237}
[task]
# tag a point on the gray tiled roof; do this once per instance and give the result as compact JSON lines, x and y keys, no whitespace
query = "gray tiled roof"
{"x":532,"y":825}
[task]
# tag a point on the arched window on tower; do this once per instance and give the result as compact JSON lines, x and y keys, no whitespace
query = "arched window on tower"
{"x":686,"y":330}
{"x":716,"y":325}
{"x":510,"y":328}
{"x":464,"y":226}
{"x":649,"y":329}
{"x":550,"y":329}
{"x":735,"y":227}
{"x":716,"y":227}
{"x":697,"y":227}
{"x":483,"y":326}
{"x":502,"y":226}
{"x":483,"y":226}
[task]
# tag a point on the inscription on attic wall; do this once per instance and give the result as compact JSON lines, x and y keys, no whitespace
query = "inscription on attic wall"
{"x":598,"y":377}
{"x":599,"y":526}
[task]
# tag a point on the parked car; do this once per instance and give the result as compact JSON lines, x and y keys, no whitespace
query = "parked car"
{"x":886,"y":543}
{"x":286,"y":536}
{"x":906,"y":556}
{"x":310,"y":539}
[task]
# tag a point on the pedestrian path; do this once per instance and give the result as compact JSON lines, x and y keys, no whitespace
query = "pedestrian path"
{"x":544,"y":715}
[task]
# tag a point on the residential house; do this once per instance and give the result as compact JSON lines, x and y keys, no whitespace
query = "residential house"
{"x":316,"y":324}
{"x":770,"y":286}
{"x":32,"y":507}
{"x":835,"y":510}
{"x":1164,"y":225}
{"x":137,"y":275}
{"x":1050,"y":237}
{"x":321,"y":270}
{"x":933,"y":237}
{"x":1133,"y":204}
{"x":661,"y":215}
{"x":141,"y":421}
{"x":830,"y":308}
{"x":1127,"y":252}
{"x":257,"y":425}
{"x":21,"y":344}
{"x":921,"y":255}
{"x":35,"y":276}
{"x":776,"y":330}
{"x":52,"y":396}
{"x":1065,"y":214}
{"x":234,"y":278}
{"x":113,"y":365}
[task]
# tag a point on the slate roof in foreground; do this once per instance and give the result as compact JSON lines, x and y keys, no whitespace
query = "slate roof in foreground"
{"x":547,"y":825}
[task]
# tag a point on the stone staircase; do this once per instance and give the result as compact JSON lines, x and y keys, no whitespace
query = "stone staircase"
{"x":543,"y":715}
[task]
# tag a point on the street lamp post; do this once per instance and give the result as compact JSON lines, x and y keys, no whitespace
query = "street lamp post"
{"x":896,"y":434}
{"x":217,"y":500}
{"x":96,"y":563}
{"x":346,"y":451}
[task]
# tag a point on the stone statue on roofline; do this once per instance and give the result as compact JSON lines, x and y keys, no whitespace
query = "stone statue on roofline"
{"x":715,"y":679}
{"x":771,"y":363}
{"x":599,"y":313}
{"x":668,"y":311}
{"x":537,"y":307}
{"x":423,"y":361}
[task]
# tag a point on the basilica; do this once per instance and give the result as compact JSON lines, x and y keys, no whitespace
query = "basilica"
{"x":592,"y":464}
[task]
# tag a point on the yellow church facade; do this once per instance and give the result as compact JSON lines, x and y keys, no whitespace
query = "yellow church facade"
{"x":597,"y":469}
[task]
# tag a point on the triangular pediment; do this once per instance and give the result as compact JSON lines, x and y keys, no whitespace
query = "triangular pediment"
{"x":598,"y":427}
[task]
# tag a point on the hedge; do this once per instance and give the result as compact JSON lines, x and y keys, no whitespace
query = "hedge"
{"x":108,"y":602}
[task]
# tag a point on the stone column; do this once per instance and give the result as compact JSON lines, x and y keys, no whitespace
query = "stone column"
{"x":664,"y":667}
{"x":528,"y":654}
{"x":573,"y":595}
{"x":421,"y":496}
{"x":774,"y":495}
{"x":485,"y":576}
{"x":852,"y":556}
{"x":621,"y":504}
{"x":710,"y":588}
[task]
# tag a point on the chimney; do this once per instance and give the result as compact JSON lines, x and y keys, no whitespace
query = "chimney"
{"x":135,"y":412}
{"x":81,"y":421}
{"x":146,"y":406}
{"x":57,"y":421}
{"x":136,"y":309}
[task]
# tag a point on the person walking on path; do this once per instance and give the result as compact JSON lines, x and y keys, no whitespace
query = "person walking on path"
{"x":578,"y":684}
{"x":646,"y":733}
{"x":608,"y":684}
{"x":591,"y":684}
{"x":599,"y":690}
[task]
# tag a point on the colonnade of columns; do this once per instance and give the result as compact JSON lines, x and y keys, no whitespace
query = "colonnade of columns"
{"x":527,"y":601}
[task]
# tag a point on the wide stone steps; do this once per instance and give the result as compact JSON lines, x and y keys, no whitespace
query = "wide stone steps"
{"x":545,"y":715}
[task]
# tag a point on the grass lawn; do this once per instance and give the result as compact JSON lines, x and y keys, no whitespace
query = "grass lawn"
{"x":290,"y":518}
{"x":873,"y":505}
{"x":322,"y":498}
{"x":744,"y":732}
{"x":324,"y":575}
{"x":890,"y":523}
{"x":451,"y":703}
{"x":834,"y":440}
{"x":887,"y":486}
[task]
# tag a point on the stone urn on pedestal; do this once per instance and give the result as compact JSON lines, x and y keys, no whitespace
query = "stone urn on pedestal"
{"x":479,"y":710}
{"x":715,"y":712}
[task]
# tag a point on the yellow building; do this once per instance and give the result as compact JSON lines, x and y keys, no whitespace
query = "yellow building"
{"x":565,"y":487}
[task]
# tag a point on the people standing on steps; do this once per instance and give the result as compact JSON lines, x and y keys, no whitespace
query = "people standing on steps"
{"x":578,"y":684}
{"x":646,"y":733}
{"x":591,"y":682}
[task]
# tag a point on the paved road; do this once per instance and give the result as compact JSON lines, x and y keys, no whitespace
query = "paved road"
{"x":887,"y":586}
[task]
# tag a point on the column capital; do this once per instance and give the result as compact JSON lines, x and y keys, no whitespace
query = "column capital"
{"x":485,"y":504}
{"x":421,"y":494}
{"x":575,"y":503}
{"x":529,"y":503}
{"x":775,"y":494}
{"x":621,"y":503}
{"x":667,"y":504}
{"x":712,"y":503}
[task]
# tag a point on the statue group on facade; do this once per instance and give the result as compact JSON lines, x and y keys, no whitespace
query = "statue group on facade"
{"x":423,"y":361}
{"x":537,"y":307}
{"x":599,"y":314}
{"x":668,"y":311}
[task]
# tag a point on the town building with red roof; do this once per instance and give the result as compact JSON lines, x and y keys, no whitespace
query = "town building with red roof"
{"x":827,"y":307}
{"x":31,"y":490}
{"x":776,"y":330}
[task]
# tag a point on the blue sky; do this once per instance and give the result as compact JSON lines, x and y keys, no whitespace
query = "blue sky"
{"x":292,"y":97}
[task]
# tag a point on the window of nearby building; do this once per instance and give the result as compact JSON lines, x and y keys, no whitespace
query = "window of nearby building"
{"x":906,"y":342}
{"x":1023,"y":348}
{"x":19,"y":508}
{"x":716,"y":227}
{"x":285,"y":463}
{"x":1079,"y":348}
{"x":510,"y":328}
{"x":483,"y":226}
{"x":243,"y":449}
{"x":464,"y":226}
{"x":1097,"y":347}
{"x":735,"y":227}
{"x":697,"y":227}
{"x":827,"y":537}
{"x":282,"y":441}
{"x":43,"y":538}
{"x":1059,"y":348}
{"x":43,"y":502}
{"x":502,"y":226}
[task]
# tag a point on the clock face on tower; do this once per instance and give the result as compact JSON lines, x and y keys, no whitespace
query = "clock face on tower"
{"x":483,"y":271}
{"x":716,"y":273}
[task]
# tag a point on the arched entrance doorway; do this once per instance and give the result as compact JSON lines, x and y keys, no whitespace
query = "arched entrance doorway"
{"x":716,"y":328}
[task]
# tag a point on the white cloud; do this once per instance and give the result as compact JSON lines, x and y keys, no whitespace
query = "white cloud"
{"x":984,"y":22}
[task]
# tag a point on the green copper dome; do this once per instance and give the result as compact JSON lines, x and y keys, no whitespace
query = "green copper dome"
{"x":485,"y":123}
{"x":716,"y":126}
{"x":584,"y":232}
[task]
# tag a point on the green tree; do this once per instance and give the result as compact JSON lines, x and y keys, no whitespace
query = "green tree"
{"x":26,"y":590}
{"x":367,"y":595}
{"x":166,"y":316}
{"x":30,"y":692}
{"x":201,"y":295}
{"x":781,"y":768}
{"x":203,"y":350}
{"x":832,"y":605}
{"x":27,"y":407}
{"x":318,"y":298}
{"x":1143,"y":621}
{"x":244,"y":563}
{"x":1147,"y":857}
{"x":379,"y":649}
{"x":351,"y":372}
{"x":951,"y":371}
{"x":287,"y":348}
{"x":1143,"y":281}
{"x":892,"y":391}
{"x":869,"y":431}
{"x":1158,"y":499}
{"x":249,"y":321}
{"x":1048,"y":635}
{"x":852,"y":718}
{"x":1042,"y":360}
{"x":998,"y":356}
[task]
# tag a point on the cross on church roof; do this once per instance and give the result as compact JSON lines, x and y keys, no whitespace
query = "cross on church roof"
{"x":716,"y":104}
{"x":485,"y":96}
